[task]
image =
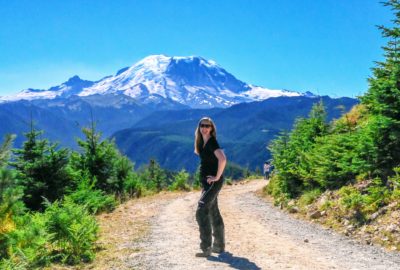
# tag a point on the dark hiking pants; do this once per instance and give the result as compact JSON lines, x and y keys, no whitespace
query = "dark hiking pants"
{"x":209,"y":218}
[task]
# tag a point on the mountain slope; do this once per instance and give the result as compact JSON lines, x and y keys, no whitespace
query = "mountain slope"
{"x":244,"y":131}
{"x":63,"y":118}
{"x":16,"y":119}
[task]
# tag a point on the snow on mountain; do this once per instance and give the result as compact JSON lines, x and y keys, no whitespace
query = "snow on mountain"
{"x":71,"y":87}
{"x":192,"y":81}
{"x":260,"y":93}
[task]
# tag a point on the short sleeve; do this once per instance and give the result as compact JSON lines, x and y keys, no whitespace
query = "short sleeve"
{"x":213,"y":144}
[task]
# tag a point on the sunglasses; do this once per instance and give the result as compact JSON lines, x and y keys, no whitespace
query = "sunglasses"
{"x":205,"y":125}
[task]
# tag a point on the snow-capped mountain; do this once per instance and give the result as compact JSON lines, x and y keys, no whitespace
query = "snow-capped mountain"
{"x":192,"y":81}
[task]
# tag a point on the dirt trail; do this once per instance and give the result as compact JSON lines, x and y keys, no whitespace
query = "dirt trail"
{"x":258,"y":236}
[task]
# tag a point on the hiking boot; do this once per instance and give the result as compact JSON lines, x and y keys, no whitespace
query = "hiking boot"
{"x":204,"y":253}
{"x":217,"y":250}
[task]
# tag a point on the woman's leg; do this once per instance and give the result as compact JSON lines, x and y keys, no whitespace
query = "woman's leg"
{"x":203,"y":214}
{"x":203,"y":220}
{"x":217,"y":224}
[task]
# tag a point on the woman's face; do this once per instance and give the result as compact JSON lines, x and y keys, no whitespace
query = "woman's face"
{"x":205,"y":128}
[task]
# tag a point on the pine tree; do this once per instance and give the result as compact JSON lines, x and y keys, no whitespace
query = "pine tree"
{"x":156,"y":175}
{"x":41,"y":170}
{"x":290,"y":151}
{"x":102,"y":160}
{"x":383,"y":96}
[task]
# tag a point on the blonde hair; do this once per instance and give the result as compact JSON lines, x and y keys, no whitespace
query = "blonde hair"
{"x":198,"y":141}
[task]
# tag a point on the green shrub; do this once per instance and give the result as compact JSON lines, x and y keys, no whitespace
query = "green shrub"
{"x":180,"y":181}
{"x":277,"y":188}
{"x":353,"y":203}
{"x":10,"y":204}
{"x":309,"y":197}
{"x":133,"y":186}
{"x":73,"y":231}
{"x":154,"y":177}
{"x":27,"y":245}
{"x":10,"y":264}
{"x":95,"y":200}
{"x":378,"y":195}
{"x":228,"y":181}
{"x":351,"y":198}
{"x":394,"y":183}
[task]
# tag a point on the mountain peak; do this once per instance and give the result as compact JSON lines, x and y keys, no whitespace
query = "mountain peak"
{"x":161,"y":61}
{"x":189,"y":80}
{"x":73,"y":80}
{"x":153,"y":60}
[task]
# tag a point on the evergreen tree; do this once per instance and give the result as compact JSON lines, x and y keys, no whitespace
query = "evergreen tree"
{"x":41,"y":170}
{"x":383,"y":96}
{"x":106,"y":166}
{"x":155,"y":175}
{"x":290,"y":151}
{"x":5,"y":150}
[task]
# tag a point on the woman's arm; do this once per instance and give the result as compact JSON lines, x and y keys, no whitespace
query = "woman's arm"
{"x":221,"y":166}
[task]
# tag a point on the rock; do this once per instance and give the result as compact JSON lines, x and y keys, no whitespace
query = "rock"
{"x":378,"y":213}
{"x":392,"y":228}
{"x":374,"y":215}
{"x":306,"y":240}
{"x":395,"y":214}
{"x":323,"y":213}
{"x":315,"y":214}
{"x":393,"y":248}
{"x":291,"y":203}
{"x":323,"y":200}
{"x":293,"y":210}
{"x":392,"y":205}
{"x":349,"y":230}
{"x":376,"y":239}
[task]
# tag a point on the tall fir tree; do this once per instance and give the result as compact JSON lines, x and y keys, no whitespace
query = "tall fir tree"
{"x":102,"y":161}
{"x":42,"y":170}
{"x":290,"y":151}
{"x":383,"y":96}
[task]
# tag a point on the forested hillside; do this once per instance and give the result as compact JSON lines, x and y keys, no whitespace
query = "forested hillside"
{"x":244,"y":131}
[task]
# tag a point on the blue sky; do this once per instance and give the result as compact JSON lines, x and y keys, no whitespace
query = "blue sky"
{"x":322,"y":46}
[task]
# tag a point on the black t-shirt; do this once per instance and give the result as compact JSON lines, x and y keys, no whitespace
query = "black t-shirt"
{"x":209,"y":162}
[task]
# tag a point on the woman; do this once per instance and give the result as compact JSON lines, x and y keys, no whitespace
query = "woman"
{"x":212,"y":165}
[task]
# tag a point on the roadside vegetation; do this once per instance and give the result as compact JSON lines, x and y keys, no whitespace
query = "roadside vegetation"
{"x":346,"y":173}
{"x":50,"y":196}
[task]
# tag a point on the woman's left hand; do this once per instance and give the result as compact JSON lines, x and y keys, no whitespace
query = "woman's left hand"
{"x":211,"y":179}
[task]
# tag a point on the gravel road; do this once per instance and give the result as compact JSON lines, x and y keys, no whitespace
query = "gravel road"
{"x":258,"y":236}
